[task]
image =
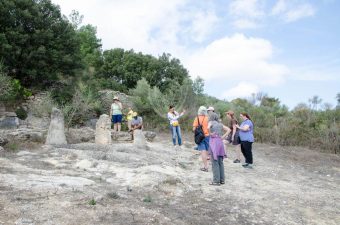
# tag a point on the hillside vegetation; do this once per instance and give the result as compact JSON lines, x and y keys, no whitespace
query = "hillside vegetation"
{"x":43,"y":50}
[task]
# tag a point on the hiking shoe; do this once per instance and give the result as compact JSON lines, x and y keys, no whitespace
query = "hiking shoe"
{"x":248,"y":165}
{"x":214,"y":183}
{"x":204,"y":169}
{"x":237,"y":161}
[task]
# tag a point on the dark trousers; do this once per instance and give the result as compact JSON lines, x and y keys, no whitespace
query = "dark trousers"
{"x":246,"y":151}
{"x":218,"y":169}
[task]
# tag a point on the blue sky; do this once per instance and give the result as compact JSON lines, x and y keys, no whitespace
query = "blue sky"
{"x":289,"y":49}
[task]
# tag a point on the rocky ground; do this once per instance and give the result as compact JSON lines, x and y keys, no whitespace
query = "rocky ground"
{"x":124,"y":184}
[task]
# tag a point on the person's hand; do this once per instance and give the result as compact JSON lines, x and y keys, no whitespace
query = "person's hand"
{"x":184,"y":111}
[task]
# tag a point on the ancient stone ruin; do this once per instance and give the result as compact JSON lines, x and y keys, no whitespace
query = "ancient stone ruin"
{"x":56,"y":131}
{"x":103,"y":130}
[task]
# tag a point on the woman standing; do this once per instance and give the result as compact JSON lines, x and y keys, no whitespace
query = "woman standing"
{"x":173,"y":117}
{"x":202,"y":120}
{"x":129,"y":117}
{"x":233,"y":136}
{"x":247,"y":138}
{"x":216,"y":148}
{"x":116,"y":114}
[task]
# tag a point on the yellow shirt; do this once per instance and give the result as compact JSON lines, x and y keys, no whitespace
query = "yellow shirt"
{"x":129,"y":115}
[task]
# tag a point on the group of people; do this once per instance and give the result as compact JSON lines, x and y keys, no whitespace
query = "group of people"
{"x":116,"y":114}
{"x":216,"y":137}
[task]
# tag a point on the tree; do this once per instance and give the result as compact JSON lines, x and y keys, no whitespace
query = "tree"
{"x":128,"y":67}
{"x":90,"y":45}
{"x":37,"y":44}
{"x":76,"y":19}
{"x":338,"y":100}
{"x":198,"y":86}
{"x":315,"y":101}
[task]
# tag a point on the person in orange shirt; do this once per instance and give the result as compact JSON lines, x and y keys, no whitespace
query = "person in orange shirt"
{"x":203,"y":147}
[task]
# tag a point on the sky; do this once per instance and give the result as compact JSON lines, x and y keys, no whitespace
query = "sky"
{"x":288,"y":49}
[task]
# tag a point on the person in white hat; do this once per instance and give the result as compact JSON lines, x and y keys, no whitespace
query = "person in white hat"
{"x":116,"y":114}
{"x":210,"y":110}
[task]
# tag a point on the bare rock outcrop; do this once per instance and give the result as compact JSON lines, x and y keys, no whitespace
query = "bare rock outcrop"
{"x":56,"y":131}
{"x":103,"y":130}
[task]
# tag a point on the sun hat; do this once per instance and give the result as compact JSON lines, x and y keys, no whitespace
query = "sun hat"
{"x":202,"y":110}
{"x":115,"y":98}
{"x":134,"y":114}
{"x":211,"y":108}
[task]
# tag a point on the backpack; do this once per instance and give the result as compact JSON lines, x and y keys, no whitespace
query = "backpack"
{"x":199,"y":133}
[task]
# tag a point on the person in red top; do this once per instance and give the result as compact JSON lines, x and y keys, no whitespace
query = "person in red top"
{"x":202,"y":119}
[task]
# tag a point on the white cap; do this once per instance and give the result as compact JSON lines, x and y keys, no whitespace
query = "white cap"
{"x":211,"y":108}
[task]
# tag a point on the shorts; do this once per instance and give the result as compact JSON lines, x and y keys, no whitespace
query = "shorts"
{"x":117,"y":118}
{"x":204,"y":145}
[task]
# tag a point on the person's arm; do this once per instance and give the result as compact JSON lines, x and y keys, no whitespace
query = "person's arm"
{"x":234,"y":132}
{"x":244,"y":127}
{"x":209,"y":125}
{"x":194,"y":125}
{"x":227,"y":131}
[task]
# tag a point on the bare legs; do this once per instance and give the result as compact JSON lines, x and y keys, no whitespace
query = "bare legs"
{"x":238,"y":152}
{"x":204,"y":155}
{"x":117,"y":127}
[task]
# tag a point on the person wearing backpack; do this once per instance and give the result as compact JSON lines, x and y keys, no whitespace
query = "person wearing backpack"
{"x":200,"y":128}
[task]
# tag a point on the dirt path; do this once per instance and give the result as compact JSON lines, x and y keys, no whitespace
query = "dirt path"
{"x":121,"y":184}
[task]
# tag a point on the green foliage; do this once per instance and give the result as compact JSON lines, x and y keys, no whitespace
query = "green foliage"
{"x":37,"y":44}
{"x":11,"y":89}
{"x":90,"y":46}
{"x":44,"y":107}
{"x":147,"y":199}
{"x":12,"y":146}
{"x":84,"y":105}
{"x":21,"y":113}
{"x":198,"y":86}
{"x":128,"y":67}
{"x":92,"y":202}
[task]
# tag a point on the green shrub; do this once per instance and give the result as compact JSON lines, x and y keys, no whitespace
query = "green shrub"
{"x":147,"y":199}
{"x":21,"y":113}
{"x":92,"y":202}
{"x":44,"y":107}
{"x":12,"y":146}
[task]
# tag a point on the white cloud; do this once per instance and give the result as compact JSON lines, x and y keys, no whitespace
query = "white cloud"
{"x":292,"y":10}
{"x":202,"y":25}
{"x":246,"y":13}
{"x":245,"y":24}
{"x":246,"y":8}
{"x":305,"y":10}
{"x":150,"y":26}
{"x":242,"y":90}
{"x":279,"y":7}
{"x":237,"y":58}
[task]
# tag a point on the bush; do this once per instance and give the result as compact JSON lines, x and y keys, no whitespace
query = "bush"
{"x":11,"y":89}
{"x":43,"y":107}
{"x":21,"y":113}
{"x":84,"y":105}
